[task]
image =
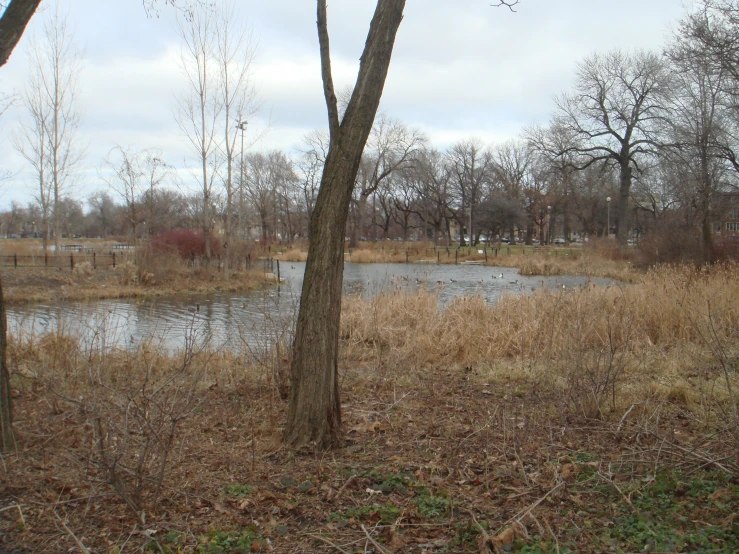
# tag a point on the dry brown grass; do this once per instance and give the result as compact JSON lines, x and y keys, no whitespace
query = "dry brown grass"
{"x":593,"y":261}
{"x":474,"y":403}
{"x":159,"y":275}
{"x":34,"y":247}
{"x":548,"y":333}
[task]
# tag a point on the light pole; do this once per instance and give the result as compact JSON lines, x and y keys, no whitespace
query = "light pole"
{"x":608,"y":229}
{"x":549,"y":224}
{"x":242,"y":127}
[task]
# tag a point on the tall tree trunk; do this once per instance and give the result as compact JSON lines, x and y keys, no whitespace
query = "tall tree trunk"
{"x":315,"y":409}
{"x":358,"y":227}
{"x":7,"y":439}
{"x":622,"y":209}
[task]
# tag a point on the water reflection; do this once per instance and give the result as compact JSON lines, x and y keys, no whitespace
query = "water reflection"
{"x":254,"y":320}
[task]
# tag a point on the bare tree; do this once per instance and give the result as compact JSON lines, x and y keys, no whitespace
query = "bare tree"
{"x":201,"y":107}
{"x":309,"y":167}
{"x":55,"y":63}
{"x":616,"y":114}
{"x":32,"y":142}
{"x":7,"y":437}
{"x":132,"y":175}
{"x":234,"y":53}
{"x":512,"y":165}
{"x":103,"y":209}
{"x":699,"y":126}
{"x":555,"y":147}
{"x":471,"y":167}
{"x":391,"y":147}
{"x":433,"y":178}
{"x":315,"y":410}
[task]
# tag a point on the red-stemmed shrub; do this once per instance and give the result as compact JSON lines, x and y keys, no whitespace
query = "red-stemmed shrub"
{"x":185,"y":242}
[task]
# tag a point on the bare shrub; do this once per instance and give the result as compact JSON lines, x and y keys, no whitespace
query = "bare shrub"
{"x":714,"y":322}
{"x":128,"y":274}
{"x":266,"y":345}
{"x":540,"y":267}
{"x":672,"y":245}
{"x":83,"y":269}
{"x":594,"y":360}
{"x":133,"y":402}
{"x":184,"y":242}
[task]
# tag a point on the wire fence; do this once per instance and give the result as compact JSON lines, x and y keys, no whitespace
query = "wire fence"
{"x":53,"y":261}
{"x":111,"y":260}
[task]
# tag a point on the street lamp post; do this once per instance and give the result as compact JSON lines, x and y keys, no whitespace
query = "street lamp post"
{"x":242,"y":127}
{"x":549,"y":225}
{"x":608,"y":229}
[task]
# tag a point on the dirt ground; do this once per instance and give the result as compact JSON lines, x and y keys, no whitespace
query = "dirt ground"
{"x":442,"y":461}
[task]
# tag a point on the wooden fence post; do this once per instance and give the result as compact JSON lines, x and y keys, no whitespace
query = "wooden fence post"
{"x":71,"y":261}
{"x":15,"y":260}
{"x":113,"y":260}
{"x":94,"y":261}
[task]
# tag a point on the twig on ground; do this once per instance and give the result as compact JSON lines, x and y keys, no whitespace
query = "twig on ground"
{"x":623,"y":419}
{"x":373,"y":541}
{"x":81,"y":546}
{"x":523,"y":513}
{"x":609,"y":479}
{"x":328,"y":542}
{"x":20,"y":512}
{"x":344,"y":486}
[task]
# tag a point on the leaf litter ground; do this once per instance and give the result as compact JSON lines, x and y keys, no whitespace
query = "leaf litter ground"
{"x":442,"y":462}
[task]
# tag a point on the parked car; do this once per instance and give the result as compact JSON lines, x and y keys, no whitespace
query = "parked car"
{"x":559,"y":241}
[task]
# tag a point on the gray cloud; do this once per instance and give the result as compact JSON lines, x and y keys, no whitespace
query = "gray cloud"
{"x":460,"y":68}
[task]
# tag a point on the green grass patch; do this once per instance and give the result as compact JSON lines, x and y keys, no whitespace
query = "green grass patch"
{"x":432,"y":506}
{"x":235,"y":542}
{"x":671,"y":514}
{"x":238,"y":490}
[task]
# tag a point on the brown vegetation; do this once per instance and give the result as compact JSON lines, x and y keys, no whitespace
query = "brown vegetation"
{"x":599,"y":260}
{"x":528,"y":422}
{"x":143,"y":273}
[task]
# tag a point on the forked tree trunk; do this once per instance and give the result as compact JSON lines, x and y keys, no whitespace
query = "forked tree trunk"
{"x":315,"y":409}
{"x":7,"y":439}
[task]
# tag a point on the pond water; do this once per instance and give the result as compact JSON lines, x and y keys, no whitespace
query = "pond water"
{"x":257,"y":319}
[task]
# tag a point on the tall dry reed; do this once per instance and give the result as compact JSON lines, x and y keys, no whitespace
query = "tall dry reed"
{"x":664,"y":309}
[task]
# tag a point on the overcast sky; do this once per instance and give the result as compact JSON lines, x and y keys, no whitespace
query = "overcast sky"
{"x":460,"y":68}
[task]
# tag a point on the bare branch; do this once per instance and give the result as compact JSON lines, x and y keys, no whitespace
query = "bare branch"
{"x":509,"y":5}
{"x":328,"y":81}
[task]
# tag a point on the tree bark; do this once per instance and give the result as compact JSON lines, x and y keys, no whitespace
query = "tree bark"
{"x":13,"y":23}
{"x":315,"y":409}
{"x":7,"y":439}
{"x":622,"y":207}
